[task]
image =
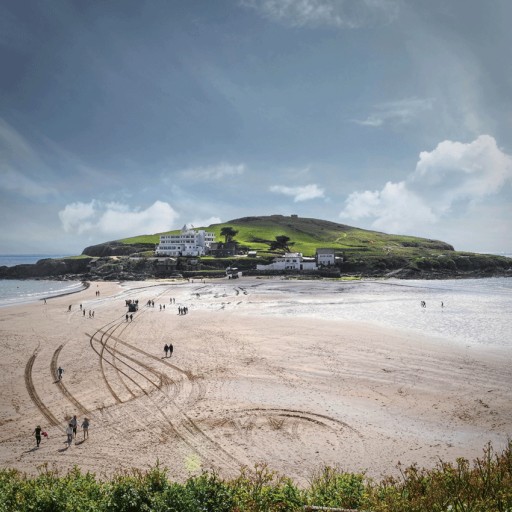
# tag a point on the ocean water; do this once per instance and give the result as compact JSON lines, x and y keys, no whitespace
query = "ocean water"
{"x":14,"y":291}
{"x":9,"y":260}
{"x":470,"y":311}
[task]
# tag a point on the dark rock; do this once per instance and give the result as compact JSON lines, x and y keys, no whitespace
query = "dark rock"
{"x":116,"y":249}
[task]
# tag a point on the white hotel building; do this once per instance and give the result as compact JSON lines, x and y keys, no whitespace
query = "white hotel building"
{"x":188,"y":243}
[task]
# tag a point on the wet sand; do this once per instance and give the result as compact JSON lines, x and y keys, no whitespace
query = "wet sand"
{"x":241,"y":388}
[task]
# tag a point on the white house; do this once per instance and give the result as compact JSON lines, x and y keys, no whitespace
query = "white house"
{"x":289,"y":261}
{"x":325,"y":257}
{"x":189,"y":242}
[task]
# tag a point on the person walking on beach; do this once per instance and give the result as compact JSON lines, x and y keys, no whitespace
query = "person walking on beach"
{"x":69,"y":307}
{"x":69,"y":433}
{"x":74,"y":423}
{"x":171,"y":348}
{"x":166,"y":349}
{"x":60,"y":371}
{"x":85,"y":427}
{"x":37,"y":432}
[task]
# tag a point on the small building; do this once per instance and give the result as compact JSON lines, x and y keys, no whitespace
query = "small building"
{"x":325,"y":257}
{"x":189,"y":242}
{"x":290,"y":261}
{"x":223,"y":249}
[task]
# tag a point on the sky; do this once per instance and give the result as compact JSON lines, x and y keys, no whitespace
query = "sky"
{"x":133,"y":117}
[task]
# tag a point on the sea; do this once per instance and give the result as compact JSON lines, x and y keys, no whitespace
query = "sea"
{"x":17,"y":291}
{"x":463,"y":311}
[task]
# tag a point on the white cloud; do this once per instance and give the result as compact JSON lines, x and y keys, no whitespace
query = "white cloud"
{"x":205,"y":222}
{"x":333,"y":13}
{"x":304,"y":193}
{"x":454,"y":174}
{"x":399,"y":112}
{"x":214,"y":172}
{"x":116,"y":219}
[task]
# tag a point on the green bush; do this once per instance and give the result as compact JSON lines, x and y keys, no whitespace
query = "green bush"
{"x":482,"y":486}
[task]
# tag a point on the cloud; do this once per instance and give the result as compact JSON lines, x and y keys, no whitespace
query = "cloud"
{"x":213,"y":173}
{"x":116,"y":219}
{"x":304,"y":193}
{"x":206,"y":222}
{"x":330,"y":13}
{"x":453,"y":175}
{"x":398,"y":112}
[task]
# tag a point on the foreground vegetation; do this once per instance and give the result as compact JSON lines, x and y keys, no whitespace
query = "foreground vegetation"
{"x":485,"y":485}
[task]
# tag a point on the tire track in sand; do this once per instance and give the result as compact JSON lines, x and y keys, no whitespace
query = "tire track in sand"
{"x":33,"y":393}
{"x":62,"y":387}
{"x":182,"y":426}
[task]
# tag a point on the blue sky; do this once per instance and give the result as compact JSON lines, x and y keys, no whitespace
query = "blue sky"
{"x":127,"y":117}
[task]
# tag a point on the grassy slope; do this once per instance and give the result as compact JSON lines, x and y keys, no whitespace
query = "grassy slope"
{"x":310,"y":234}
{"x":363,"y":251}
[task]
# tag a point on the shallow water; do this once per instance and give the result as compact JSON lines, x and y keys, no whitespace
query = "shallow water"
{"x":473,"y":311}
{"x":15,"y":291}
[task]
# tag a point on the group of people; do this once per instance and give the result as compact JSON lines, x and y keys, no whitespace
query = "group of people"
{"x":129,"y":317}
{"x":182,"y":310}
{"x":70,"y":430}
{"x":168,"y":349}
{"x":72,"y":427}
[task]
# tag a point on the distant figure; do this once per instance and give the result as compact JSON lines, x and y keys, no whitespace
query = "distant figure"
{"x":69,"y":433}
{"x":80,"y":307}
{"x":69,"y":308}
{"x":85,"y":427}
{"x":127,"y":317}
{"x":74,"y":423}
{"x":166,"y":349}
{"x":84,"y":311}
{"x":423,"y":304}
{"x":442,"y":304}
{"x":171,"y":348}
{"x":44,"y":301}
{"x":37,"y":433}
{"x":60,"y":371}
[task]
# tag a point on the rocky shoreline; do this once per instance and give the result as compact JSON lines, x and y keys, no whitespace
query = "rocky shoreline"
{"x":124,"y":268}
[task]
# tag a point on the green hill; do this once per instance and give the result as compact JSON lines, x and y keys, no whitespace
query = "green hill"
{"x":363,"y":251}
{"x":309,"y":234}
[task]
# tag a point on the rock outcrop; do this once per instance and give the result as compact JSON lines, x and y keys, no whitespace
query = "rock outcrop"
{"x":47,"y":268}
{"x":116,"y":249}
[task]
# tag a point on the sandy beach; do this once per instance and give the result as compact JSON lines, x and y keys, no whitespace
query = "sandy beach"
{"x":240,"y":388}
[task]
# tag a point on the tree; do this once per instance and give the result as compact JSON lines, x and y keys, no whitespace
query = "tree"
{"x":228,"y":233}
{"x":281,"y":243}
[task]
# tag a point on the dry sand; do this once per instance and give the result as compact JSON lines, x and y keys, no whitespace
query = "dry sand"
{"x":240,"y":388}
